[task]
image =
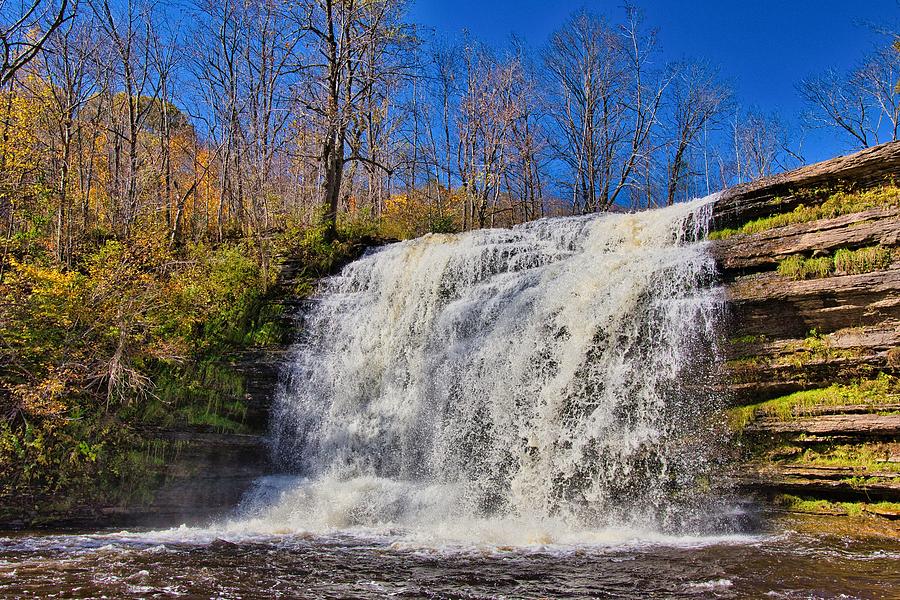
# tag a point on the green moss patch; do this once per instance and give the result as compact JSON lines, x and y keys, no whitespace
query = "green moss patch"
{"x":825,"y":507}
{"x":883,"y":390}
{"x":835,"y":205}
{"x":843,"y":262}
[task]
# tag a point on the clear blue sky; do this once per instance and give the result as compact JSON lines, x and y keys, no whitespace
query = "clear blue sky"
{"x":762,"y":47}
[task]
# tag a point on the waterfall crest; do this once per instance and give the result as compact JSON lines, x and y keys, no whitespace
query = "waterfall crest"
{"x":561,"y":371}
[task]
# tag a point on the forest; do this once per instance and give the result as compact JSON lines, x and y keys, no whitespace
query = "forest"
{"x":159,"y":161}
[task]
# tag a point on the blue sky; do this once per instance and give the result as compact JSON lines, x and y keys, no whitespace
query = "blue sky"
{"x":762,"y":47}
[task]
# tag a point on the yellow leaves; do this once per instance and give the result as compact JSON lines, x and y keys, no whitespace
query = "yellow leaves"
{"x":43,"y":290}
{"x":43,"y":279}
{"x":47,"y":398}
{"x":420,"y":212}
{"x":19,"y":117}
{"x":395,"y":203}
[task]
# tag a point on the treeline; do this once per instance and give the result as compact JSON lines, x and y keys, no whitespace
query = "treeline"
{"x":211,"y":119}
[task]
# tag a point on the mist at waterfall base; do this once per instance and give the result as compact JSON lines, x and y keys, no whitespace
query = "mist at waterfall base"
{"x":523,"y":413}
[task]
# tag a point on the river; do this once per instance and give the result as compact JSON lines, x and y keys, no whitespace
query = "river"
{"x":183,"y":563}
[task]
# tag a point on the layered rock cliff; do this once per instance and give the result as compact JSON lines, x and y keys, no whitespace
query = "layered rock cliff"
{"x":812,"y":268}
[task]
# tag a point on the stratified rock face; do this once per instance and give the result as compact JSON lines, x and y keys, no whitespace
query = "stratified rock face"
{"x":205,"y":475}
{"x":765,"y":249}
{"x":775,"y":307}
{"x":790,"y":335}
{"x":779,"y":194}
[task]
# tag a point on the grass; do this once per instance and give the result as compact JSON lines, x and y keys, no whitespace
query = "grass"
{"x":798,"y":267}
{"x":198,"y":417}
{"x":844,"y":262}
{"x":851,"y":509}
{"x":836,"y":205}
{"x":748,"y":339}
{"x":864,"y":260}
{"x":882,"y":390}
{"x":814,"y":347}
{"x":865,"y":456}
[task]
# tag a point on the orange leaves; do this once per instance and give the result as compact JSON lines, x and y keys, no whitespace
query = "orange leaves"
{"x":430,"y":209}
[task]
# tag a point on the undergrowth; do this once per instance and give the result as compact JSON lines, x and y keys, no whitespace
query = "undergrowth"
{"x":134,"y":336}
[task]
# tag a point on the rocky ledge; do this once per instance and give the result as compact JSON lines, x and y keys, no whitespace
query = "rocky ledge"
{"x":811,"y":265}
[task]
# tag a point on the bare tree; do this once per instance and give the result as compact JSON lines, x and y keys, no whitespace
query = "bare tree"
{"x":606,"y":105}
{"x":864,"y":104}
{"x":878,"y":78}
{"x":446,"y":63}
{"x":644,"y":96}
{"x":340,"y":72}
{"x":585,"y":72}
{"x":486,"y":116}
{"x":697,"y":98}
{"x":528,"y":137}
{"x":129,"y":33}
{"x":69,"y":68}
{"x":18,"y":23}
{"x":761,"y":146}
{"x":217,"y":66}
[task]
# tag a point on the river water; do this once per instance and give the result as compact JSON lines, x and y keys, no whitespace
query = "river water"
{"x":182,"y":563}
{"x":523,"y":413}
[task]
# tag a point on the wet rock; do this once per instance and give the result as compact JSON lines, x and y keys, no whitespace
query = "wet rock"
{"x":770,"y":305}
{"x":853,"y":425}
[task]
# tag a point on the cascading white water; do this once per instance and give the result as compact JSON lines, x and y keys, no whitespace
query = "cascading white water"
{"x":553,"y":377}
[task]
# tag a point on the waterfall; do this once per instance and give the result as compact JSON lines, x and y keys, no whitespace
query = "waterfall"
{"x":561,"y":372}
